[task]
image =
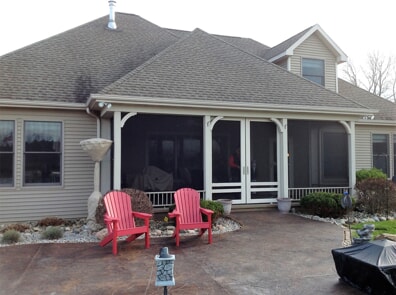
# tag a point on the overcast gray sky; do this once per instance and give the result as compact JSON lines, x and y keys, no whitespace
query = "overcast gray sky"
{"x":356,"y":26}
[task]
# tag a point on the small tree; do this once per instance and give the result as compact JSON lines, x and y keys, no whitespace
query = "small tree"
{"x":379,"y":76}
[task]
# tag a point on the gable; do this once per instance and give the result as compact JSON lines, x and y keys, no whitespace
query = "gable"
{"x":313,"y":47}
{"x":287,"y":47}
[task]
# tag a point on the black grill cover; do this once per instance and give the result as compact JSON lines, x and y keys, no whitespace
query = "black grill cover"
{"x":370,"y":266}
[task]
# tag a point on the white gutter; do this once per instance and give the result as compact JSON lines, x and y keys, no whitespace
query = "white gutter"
{"x":16,"y":103}
{"x":97,"y":121}
{"x":225,"y":105}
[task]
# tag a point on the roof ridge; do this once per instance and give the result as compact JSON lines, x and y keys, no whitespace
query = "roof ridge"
{"x":143,"y":65}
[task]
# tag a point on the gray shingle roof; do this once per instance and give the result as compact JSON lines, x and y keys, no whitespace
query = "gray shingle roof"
{"x":283,"y":46}
{"x":246,"y":44}
{"x":71,"y":65}
{"x":387,"y":109}
{"x":201,"y":66}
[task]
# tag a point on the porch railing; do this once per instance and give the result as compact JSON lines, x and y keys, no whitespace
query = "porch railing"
{"x":165,"y":199}
{"x":297,"y":193}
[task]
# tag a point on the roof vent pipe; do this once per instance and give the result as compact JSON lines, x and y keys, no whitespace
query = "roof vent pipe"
{"x":112,"y":24}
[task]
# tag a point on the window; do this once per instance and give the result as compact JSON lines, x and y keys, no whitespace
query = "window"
{"x":313,"y":70}
{"x":43,"y":154}
{"x":394,"y":154}
{"x":381,"y":152}
{"x":7,"y":153}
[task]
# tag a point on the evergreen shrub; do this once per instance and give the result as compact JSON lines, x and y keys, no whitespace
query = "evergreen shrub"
{"x":369,"y":173}
{"x":11,"y":236}
{"x":215,"y":206}
{"x":52,"y":233}
{"x":323,"y":204}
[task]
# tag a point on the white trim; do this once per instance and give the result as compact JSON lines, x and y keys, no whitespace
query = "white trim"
{"x":126,"y":117}
{"x":213,"y":121}
{"x":16,"y":103}
{"x":117,"y":151}
{"x":120,"y":102}
{"x":341,"y":56}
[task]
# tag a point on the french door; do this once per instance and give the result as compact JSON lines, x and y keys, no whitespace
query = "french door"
{"x":244,"y":161}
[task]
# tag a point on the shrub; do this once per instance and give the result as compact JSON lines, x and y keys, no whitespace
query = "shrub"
{"x":369,"y":173}
{"x":140,"y":203}
{"x":51,"y":221}
{"x":11,"y":236}
{"x":323,"y":204}
{"x":52,"y":233}
{"x":376,"y":195}
{"x":215,"y":206}
{"x":15,"y":226}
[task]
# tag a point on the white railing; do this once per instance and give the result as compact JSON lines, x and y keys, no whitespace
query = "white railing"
{"x":164,"y":199}
{"x":297,"y":193}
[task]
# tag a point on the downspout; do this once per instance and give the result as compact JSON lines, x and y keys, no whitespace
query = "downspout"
{"x":97,"y":121}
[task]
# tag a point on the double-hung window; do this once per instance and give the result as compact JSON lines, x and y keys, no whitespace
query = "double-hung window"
{"x":42,"y":153}
{"x":313,"y":70}
{"x":381,"y":152}
{"x":394,"y":154}
{"x":7,"y":131}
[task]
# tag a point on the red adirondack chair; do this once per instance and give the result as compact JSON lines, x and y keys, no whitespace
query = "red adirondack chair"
{"x":119,"y":219}
{"x":188,"y":214}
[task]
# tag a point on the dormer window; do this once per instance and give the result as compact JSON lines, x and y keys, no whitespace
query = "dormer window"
{"x":313,"y":70}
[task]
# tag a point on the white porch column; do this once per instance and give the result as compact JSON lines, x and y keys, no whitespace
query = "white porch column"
{"x":350,"y":129}
{"x":352,"y":158}
{"x":283,"y":167}
{"x":207,"y":138}
{"x":117,"y":150}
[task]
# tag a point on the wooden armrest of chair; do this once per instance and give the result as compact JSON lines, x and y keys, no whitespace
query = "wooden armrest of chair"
{"x":174,"y":214}
{"x":109,"y":219}
{"x":206,"y":211}
{"x":141,"y":215}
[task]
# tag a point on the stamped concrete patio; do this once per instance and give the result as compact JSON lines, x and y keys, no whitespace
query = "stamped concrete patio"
{"x":273,"y":253}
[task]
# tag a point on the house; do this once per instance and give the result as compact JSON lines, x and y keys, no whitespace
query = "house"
{"x":176,"y":105}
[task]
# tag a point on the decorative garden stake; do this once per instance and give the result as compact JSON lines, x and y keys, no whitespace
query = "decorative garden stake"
{"x":346,"y":203}
{"x":165,"y":263}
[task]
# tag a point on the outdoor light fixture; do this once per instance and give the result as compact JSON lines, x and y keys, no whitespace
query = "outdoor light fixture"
{"x":165,"y":263}
{"x":106,"y":105}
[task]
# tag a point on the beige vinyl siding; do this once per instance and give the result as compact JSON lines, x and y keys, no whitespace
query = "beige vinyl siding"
{"x":314,"y":48}
{"x":363,"y":139}
{"x":68,"y":200}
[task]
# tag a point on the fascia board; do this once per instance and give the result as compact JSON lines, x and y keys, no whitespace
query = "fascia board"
{"x":120,"y":101}
{"x":391,"y":123}
{"x":341,"y":56}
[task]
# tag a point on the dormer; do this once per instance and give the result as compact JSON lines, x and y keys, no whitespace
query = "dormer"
{"x":311,"y":54}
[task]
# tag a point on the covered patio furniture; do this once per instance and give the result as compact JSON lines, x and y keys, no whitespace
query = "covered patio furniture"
{"x":369,"y":266}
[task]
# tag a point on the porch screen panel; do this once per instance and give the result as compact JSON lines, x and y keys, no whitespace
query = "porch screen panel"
{"x":225,"y":156}
{"x":263,"y":158}
{"x":335,"y":156}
